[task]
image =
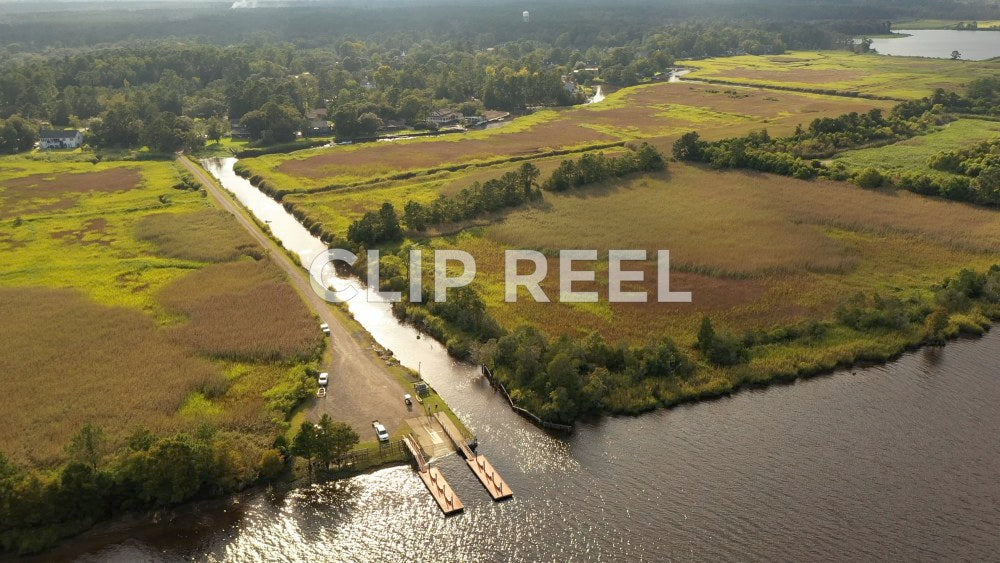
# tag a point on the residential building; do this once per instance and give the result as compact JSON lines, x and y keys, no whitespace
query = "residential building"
{"x":60,"y":138}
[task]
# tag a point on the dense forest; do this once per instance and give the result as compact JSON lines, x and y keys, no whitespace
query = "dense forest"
{"x":34,"y":26}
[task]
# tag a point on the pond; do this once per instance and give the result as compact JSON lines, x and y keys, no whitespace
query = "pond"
{"x":939,"y":43}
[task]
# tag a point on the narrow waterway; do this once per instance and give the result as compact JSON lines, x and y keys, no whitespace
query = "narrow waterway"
{"x":598,"y":96}
{"x":893,"y":462}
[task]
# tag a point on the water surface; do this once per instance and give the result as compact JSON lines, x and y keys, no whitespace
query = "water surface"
{"x":939,"y":43}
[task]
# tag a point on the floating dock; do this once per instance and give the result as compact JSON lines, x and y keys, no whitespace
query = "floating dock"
{"x":432,"y":477}
{"x":479,"y":465}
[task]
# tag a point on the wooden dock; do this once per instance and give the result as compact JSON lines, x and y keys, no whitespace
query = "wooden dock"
{"x":479,"y":465}
{"x":435,"y":482}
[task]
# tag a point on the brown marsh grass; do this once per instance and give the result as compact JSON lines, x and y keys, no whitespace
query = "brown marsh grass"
{"x":242,"y":310}
{"x":755,"y":250}
{"x":386,"y":158}
{"x":68,"y":361}
{"x":48,"y":193}
{"x":86,"y":337}
{"x":654,"y":110}
{"x":208,"y":235}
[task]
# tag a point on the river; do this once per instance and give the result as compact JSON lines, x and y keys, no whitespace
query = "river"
{"x":900,"y":462}
{"x":939,"y":43}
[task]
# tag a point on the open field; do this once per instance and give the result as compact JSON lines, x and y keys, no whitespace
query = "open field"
{"x":756,"y":250}
{"x":661,"y":110}
{"x":841,"y":71}
{"x":913,"y":154}
{"x":129,"y":303}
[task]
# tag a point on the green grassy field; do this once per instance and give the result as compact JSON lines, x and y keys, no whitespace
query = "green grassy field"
{"x":130,"y":303}
{"x":913,"y":154}
{"x":893,"y":77}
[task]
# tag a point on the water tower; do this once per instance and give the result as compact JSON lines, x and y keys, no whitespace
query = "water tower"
{"x":526,"y":16}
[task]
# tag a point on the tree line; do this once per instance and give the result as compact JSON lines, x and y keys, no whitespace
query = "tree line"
{"x":592,"y":168}
{"x":510,"y":190}
{"x":325,"y":442}
{"x":39,"y":507}
{"x":563,"y":379}
{"x":979,"y":167}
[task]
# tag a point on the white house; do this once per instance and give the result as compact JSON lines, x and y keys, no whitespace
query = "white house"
{"x":60,"y":139}
{"x":444,"y":117}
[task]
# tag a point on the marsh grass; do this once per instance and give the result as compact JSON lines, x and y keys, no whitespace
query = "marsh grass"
{"x":102,"y":321}
{"x":242,"y":311}
{"x":206,"y":235}
{"x":756,"y":250}
{"x":912,"y":155}
{"x":842,"y":71}
{"x":68,"y":361}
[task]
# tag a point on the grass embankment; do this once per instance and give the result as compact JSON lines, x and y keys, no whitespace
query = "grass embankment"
{"x":912,"y":155}
{"x":129,"y":302}
{"x":650,"y":111}
{"x":844,"y":72}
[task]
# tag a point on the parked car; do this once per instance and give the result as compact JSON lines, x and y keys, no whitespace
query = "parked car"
{"x":321,"y":392}
{"x":325,"y":328}
{"x":380,"y":431}
{"x":407,"y":399}
{"x":324,"y":379}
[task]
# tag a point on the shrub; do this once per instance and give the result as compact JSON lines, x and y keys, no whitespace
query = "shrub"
{"x":869,"y":178}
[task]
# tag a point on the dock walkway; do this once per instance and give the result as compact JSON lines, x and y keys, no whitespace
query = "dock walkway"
{"x":435,"y":482}
{"x":479,"y":465}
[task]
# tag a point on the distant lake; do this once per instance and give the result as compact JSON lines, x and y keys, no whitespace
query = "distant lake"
{"x":939,"y":43}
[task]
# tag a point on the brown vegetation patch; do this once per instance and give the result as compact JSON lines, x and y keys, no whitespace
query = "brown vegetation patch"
{"x":242,"y":311}
{"x":67,"y":361}
{"x":8,"y":242}
{"x":389,"y":157}
{"x":43,"y":185}
{"x":93,"y":231}
{"x":206,"y":236}
{"x":755,"y":250}
{"x":750,"y":101}
{"x":18,"y":194}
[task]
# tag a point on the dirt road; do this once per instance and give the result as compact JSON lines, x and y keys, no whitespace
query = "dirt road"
{"x":361,"y":388}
